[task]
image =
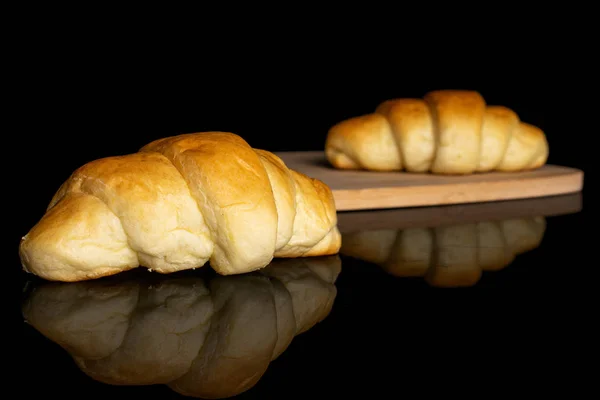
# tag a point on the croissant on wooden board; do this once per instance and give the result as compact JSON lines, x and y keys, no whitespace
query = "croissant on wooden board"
{"x":448,"y":255}
{"x":178,"y":203}
{"x":445,"y":132}
{"x":208,"y":338}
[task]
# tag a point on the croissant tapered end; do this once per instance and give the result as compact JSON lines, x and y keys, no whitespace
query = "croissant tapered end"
{"x":78,"y":239}
{"x":445,"y":132}
{"x":527,"y":149}
{"x":363,"y":142}
{"x":177,"y":204}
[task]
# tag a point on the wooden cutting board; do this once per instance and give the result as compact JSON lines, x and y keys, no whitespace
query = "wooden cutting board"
{"x":363,"y":190}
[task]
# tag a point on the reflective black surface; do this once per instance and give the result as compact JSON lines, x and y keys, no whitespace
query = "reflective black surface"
{"x":442,"y":299}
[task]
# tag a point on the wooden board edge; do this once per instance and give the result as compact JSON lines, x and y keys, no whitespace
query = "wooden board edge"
{"x":460,"y":193}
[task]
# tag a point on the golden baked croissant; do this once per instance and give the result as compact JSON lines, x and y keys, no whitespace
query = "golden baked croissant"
{"x":208,"y":337}
{"x":447,"y":256}
{"x":446,"y":132}
{"x":176,"y":204}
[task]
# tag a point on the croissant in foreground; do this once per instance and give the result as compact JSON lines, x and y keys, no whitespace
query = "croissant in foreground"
{"x":177,"y":204}
{"x":446,"y":132}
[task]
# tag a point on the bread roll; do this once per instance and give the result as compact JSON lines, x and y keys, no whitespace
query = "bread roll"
{"x":176,"y":204}
{"x":445,"y":132}
{"x":203,"y":336}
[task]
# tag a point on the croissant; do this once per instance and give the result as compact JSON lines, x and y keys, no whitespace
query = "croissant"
{"x":447,"y":256}
{"x":446,"y":132}
{"x":203,"y":336}
{"x":176,"y":204}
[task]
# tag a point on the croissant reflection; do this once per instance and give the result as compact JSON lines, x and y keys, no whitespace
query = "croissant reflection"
{"x":451,"y":246}
{"x":448,"y":255}
{"x":203,"y":336}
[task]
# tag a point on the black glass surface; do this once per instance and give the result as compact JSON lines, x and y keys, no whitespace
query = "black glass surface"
{"x":481,"y":300}
{"x":426,"y":299}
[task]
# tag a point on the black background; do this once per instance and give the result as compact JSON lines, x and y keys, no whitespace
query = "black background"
{"x":100,"y":107}
{"x":82,"y":100}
